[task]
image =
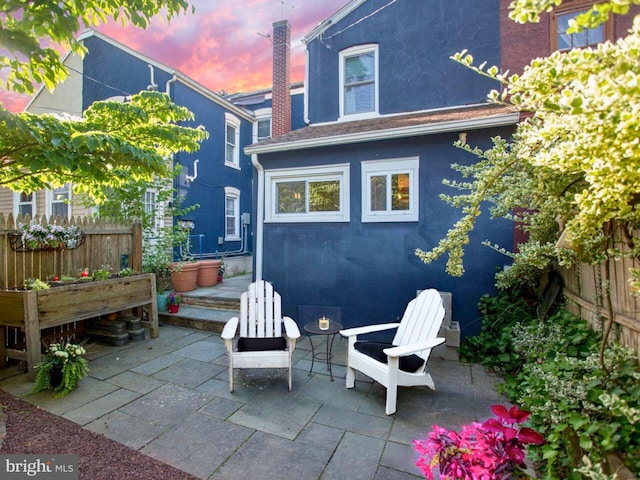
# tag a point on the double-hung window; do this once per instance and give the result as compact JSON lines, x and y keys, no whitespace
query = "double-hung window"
{"x":262,"y":126}
{"x":58,"y":201}
{"x":24,"y":203}
{"x":319,"y":194}
{"x":232,"y":141}
{"x":390,"y":190}
{"x":359,"y":82}
{"x":560,"y":23}
{"x":231,"y":214}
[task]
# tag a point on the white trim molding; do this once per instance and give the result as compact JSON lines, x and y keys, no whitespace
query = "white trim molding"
{"x":306,"y":177}
{"x":406,"y":171}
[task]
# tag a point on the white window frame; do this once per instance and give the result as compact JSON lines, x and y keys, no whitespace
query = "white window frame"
{"x":338,"y":172}
{"x":158,"y":218}
{"x":352,"y":52}
{"x":49,"y":201}
{"x":233,"y":194}
{"x":409,"y":165}
{"x":261,"y":115}
{"x":17,"y":204}
{"x":232,"y":121}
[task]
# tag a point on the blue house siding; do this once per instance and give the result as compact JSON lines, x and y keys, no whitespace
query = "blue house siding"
{"x":415,"y":40}
{"x":208,"y":190}
{"x":370,"y":270}
{"x":110,"y":71}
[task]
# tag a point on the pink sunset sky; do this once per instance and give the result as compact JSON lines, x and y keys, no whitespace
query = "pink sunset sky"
{"x":222,"y":45}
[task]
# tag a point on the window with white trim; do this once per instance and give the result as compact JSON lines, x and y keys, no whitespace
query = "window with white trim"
{"x":262,"y":125}
{"x":359,"y":81}
{"x":24,"y":203}
{"x":231,"y":214}
{"x":318,"y":194}
{"x":153,"y":208}
{"x":58,"y":201}
{"x":232,"y":140}
{"x":390,"y":190}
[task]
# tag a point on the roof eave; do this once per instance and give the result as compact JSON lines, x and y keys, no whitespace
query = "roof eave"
{"x":401,"y":132}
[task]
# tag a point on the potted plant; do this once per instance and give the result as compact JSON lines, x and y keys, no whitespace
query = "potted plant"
{"x":208,"y":273}
{"x":35,"y":284}
{"x":103,"y":273}
{"x":63,"y":368}
{"x":221,"y":270}
{"x":174,"y":299}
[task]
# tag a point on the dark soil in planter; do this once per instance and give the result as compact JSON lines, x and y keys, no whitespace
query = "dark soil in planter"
{"x":31,"y":430}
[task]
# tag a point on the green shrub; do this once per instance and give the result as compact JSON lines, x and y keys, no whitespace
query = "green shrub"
{"x":551,"y":367}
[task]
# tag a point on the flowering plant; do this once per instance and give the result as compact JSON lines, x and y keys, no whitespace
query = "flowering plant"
{"x":493,"y":450}
{"x":174,"y":298}
{"x":35,"y":235}
{"x":63,"y":368}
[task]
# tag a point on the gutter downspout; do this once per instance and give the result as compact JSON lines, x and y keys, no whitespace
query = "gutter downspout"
{"x":258,"y":250}
{"x":306,"y":85}
{"x":167,"y":88}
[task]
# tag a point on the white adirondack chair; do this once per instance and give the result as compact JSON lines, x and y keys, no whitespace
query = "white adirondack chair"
{"x":404,"y":361}
{"x":262,"y":343}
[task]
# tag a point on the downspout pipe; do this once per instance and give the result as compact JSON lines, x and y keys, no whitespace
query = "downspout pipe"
{"x":167,"y":88}
{"x":258,"y":249}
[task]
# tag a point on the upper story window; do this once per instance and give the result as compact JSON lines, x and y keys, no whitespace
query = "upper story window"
{"x":24,"y":203}
{"x":58,"y":201}
{"x":319,"y":194}
{"x":390,"y":190}
{"x":262,"y":126}
{"x":231,"y":214}
{"x":359,"y":81}
{"x":232,"y":141}
{"x":563,"y":41}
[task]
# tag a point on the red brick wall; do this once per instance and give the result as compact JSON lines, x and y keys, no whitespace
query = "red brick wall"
{"x":281,"y":102}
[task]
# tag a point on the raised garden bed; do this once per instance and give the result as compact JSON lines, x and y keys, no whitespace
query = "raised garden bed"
{"x":35,"y":310}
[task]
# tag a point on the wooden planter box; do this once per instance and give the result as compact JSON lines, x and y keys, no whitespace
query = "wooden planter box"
{"x":35,"y":310}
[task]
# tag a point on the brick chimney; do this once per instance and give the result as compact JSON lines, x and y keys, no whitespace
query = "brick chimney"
{"x":281,"y":99}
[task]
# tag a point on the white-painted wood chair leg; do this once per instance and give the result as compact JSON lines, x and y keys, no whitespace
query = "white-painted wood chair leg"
{"x":392,"y":388}
{"x":351,"y":377}
{"x":230,"y":375}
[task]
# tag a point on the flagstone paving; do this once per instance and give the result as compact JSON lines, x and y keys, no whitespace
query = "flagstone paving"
{"x":169,"y":398}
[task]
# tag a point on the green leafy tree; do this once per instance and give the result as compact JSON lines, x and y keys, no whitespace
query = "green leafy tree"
{"x":571,"y":170}
{"x":115,"y":143}
{"x":28,"y":31}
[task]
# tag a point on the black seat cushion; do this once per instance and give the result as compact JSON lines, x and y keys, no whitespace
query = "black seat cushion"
{"x":246,"y":344}
{"x":410,"y":363}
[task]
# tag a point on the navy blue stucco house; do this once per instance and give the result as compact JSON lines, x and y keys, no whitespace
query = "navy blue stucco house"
{"x":343,"y":203}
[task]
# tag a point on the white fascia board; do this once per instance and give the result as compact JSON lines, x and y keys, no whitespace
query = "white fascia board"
{"x":414,"y":131}
{"x":332,"y":20}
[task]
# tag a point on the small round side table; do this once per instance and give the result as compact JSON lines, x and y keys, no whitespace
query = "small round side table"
{"x":312,"y":329}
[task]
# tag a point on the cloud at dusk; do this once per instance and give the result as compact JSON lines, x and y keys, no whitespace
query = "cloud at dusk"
{"x":223,"y":45}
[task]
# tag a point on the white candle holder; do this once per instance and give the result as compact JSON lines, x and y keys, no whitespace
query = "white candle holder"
{"x":323,"y":323}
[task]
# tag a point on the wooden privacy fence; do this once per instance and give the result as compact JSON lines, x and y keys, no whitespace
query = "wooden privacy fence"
{"x":585,"y":288}
{"x":106,"y":242}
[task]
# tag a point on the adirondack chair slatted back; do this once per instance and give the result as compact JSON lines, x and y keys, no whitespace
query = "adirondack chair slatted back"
{"x":421,"y":320}
{"x":260,"y":314}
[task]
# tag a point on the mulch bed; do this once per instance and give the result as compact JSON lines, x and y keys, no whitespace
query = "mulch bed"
{"x":31,"y":430}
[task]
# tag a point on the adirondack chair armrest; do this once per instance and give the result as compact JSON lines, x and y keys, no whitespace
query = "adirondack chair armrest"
{"x":404,"y":350}
{"x":291,"y":328}
{"x":350,"y":332}
{"x":230,"y":328}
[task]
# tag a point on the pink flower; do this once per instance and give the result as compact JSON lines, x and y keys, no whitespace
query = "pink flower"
{"x":488,"y":451}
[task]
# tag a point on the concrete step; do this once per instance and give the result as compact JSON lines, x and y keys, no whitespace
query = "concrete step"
{"x":198,"y":317}
{"x":219,"y":303}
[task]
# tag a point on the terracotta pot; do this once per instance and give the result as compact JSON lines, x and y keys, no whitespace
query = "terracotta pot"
{"x":184,"y":280}
{"x":174,"y":307}
{"x":208,"y":273}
